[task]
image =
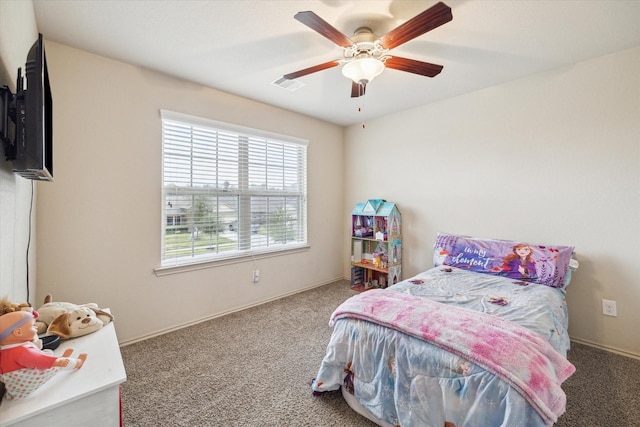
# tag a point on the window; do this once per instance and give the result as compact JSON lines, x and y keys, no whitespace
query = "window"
{"x":229,"y":191}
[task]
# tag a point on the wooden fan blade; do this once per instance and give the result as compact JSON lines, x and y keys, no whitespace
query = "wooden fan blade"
{"x":313,"y":21}
{"x":431,"y":18}
{"x":310,"y":70}
{"x":358,"y":89}
{"x":413,"y":66}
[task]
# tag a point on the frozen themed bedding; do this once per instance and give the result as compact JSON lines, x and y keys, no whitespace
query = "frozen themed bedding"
{"x":479,"y":340}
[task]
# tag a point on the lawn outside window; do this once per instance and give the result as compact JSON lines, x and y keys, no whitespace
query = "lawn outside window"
{"x":229,"y":192}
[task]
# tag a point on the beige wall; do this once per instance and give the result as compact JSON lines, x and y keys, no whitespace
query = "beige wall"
{"x":17,"y":33}
{"x":554,"y":158}
{"x":100,"y":222}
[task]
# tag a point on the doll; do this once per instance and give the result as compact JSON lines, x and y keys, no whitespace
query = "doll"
{"x":23,"y":366}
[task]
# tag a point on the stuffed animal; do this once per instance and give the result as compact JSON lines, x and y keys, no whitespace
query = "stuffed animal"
{"x":68,"y":320}
{"x":23,"y":366}
{"x":7,"y":306}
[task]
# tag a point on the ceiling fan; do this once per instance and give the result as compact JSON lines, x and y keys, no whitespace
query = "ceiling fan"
{"x":366,"y":55}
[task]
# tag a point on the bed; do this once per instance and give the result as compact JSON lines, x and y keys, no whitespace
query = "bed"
{"x":478,"y":340}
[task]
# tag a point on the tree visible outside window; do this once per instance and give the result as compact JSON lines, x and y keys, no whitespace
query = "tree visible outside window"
{"x":229,"y":191}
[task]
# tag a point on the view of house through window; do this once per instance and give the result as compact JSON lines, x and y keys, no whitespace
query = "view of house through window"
{"x":229,"y":191}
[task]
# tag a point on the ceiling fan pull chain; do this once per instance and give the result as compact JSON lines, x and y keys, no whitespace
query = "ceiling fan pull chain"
{"x":361,"y":108}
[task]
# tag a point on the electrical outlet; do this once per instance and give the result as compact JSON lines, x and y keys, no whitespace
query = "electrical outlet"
{"x":609,"y":308}
{"x":256,"y":276}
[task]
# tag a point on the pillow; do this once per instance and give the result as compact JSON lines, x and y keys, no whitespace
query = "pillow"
{"x":546,"y":265}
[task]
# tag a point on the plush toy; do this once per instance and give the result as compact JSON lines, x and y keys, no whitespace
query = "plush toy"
{"x":7,"y":306}
{"x":68,"y":320}
{"x":23,"y":366}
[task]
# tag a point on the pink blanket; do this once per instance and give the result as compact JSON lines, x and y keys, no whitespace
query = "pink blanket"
{"x":517,"y":355}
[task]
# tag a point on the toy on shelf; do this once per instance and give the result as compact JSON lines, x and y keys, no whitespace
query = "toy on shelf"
{"x":69,"y":320}
{"x":23,"y":366}
{"x":377,"y":259}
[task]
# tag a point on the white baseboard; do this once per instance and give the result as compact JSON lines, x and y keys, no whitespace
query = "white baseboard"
{"x":224,"y":313}
{"x":607,"y":348}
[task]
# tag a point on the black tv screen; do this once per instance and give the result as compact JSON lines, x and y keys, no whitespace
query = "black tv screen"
{"x":34,"y":124}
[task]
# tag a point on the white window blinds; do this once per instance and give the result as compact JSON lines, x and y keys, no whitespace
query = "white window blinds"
{"x":229,"y":191}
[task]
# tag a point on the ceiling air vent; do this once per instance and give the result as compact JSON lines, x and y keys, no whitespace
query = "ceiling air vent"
{"x":290,"y":85}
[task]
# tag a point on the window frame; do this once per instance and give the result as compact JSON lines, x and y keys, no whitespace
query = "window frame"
{"x":245,"y":137}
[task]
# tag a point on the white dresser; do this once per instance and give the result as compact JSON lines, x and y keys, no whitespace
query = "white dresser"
{"x":86,"y":396}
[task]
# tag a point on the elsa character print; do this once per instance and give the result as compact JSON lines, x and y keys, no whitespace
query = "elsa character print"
{"x":520,"y":264}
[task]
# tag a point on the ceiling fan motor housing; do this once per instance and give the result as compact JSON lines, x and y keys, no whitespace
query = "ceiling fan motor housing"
{"x":365,"y":45}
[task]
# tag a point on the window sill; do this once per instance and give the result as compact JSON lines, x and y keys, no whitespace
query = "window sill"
{"x":200,"y":265}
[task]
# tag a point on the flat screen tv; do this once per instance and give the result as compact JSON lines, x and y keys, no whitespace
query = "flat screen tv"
{"x":33,"y":145}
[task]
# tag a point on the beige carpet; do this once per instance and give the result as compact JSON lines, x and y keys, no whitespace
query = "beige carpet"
{"x":254,"y":368}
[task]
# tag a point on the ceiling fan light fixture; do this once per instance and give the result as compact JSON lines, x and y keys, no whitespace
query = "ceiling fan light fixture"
{"x":363,"y":70}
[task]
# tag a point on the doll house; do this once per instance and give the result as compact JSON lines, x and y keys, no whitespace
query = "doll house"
{"x":376,"y":245}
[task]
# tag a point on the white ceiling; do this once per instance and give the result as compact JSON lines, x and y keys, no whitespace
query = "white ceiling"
{"x":241,"y":47}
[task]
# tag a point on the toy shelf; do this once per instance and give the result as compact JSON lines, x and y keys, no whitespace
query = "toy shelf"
{"x":376,"y":245}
